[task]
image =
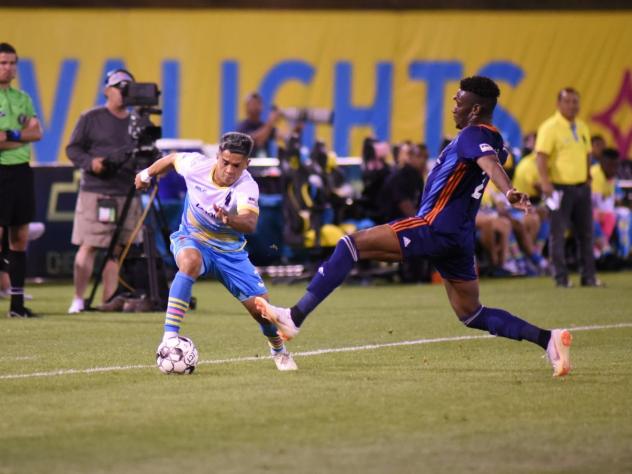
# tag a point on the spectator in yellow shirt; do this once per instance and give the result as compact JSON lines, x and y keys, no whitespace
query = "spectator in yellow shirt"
{"x":563,"y":159}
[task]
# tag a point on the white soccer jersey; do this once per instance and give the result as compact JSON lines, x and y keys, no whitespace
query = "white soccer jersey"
{"x":198,"y":216}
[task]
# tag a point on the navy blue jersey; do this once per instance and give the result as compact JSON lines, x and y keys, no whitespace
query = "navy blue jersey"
{"x":455,"y":185}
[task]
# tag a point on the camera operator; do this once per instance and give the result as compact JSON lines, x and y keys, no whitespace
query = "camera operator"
{"x":263,"y":133}
{"x":100,"y":146}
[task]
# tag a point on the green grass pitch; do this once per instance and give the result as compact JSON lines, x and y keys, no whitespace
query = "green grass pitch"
{"x":475,"y":405}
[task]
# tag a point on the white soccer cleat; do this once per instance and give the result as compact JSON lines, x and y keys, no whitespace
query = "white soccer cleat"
{"x":558,"y":351}
{"x":77,"y":306}
{"x":280,"y":317}
{"x":284,"y":361}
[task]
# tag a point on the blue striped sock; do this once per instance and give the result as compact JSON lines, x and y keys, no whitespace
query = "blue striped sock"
{"x":178,"y":304}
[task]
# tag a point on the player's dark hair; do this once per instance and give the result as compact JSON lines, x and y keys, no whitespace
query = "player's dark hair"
{"x":237,"y":142}
{"x":484,"y":88}
{"x":8,"y":49}
{"x":567,"y":90}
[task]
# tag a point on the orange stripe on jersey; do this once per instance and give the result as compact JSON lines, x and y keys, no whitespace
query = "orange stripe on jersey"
{"x":404,"y":222}
{"x":445,"y":195}
{"x":409,"y":223}
{"x":490,"y":127}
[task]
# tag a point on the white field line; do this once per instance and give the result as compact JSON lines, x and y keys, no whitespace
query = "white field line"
{"x":316,"y":352}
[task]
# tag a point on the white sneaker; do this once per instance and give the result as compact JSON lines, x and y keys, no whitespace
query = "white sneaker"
{"x":280,"y":317}
{"x":168,"y":335}
{"x":77,"y":306}
{"x":558,"y":351}
{"x":284,"y":361}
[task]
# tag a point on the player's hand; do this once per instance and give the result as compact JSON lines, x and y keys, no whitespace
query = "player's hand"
{"x":519,"y":200}
{"x":97,"y":165}
{"x":139,"y":183}
{"x":221,"y":214}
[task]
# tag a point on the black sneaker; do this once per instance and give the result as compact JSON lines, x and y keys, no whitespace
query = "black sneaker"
{"x":23,"y":313}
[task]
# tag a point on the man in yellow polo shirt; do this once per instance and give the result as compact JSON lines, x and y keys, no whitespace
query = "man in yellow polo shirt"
{"x":563,"y":158}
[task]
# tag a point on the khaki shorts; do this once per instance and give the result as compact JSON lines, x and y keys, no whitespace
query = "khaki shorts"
{"x":86,"y":228}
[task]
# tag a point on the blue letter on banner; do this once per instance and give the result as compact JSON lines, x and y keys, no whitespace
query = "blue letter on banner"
{"x":170,"y":98}
{"x":436,"y":74}
{"x":513,"y":74}
{"x":47,"y":149}
{"x":346,"y":116}
{"x":228,"y":96}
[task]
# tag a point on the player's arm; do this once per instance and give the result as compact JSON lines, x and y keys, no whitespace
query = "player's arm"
{"x":158,"y":168}
{"x":541,"y":160}
{"x":31,"y":132}
{"x":492,"y":167}
{"x":245,"y":221}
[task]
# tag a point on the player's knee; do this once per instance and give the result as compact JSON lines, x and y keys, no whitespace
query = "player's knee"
{"x":190,"y":265}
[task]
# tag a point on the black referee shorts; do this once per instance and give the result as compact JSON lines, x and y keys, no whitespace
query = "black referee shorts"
{"x":17,"y":195}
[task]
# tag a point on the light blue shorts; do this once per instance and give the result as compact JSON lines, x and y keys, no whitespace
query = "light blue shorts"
{"x":233,"y":269}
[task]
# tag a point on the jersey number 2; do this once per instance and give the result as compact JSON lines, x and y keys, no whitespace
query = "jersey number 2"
{"x":478,"y":190}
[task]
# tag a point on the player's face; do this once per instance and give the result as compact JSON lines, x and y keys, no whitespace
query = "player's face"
{"x":462,"y":110}
{"x":8,"y":68}
{"x":568,"y":105}
{"x":229,"y":167}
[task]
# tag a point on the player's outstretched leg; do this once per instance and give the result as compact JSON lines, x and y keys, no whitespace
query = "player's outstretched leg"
{"x":499,"y":322}
{"x":178,"y":304}
{"x":331,"y":274}
{"x":464,"y":298}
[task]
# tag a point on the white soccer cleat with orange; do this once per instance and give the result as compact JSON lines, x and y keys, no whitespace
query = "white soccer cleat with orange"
{"x":280,"y":317}
{"x":559,"y":351}
{"x":284,"y":361}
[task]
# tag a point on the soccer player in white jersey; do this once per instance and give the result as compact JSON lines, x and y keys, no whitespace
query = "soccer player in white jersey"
{"x":220,"y":207}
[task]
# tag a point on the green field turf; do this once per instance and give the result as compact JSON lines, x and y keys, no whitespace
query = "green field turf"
{"x":479,"y":405}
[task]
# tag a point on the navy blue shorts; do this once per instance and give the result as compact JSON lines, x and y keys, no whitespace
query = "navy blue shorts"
{"x":451,"y":254}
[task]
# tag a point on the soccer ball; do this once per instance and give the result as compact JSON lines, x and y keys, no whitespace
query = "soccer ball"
{"x":176,"y":355}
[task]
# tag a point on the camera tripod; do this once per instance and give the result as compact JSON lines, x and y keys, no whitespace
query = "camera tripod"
{"x":149,"y":246}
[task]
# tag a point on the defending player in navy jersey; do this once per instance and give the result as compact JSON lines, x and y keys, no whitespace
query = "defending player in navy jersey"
{"x":443,"y":231}
{"x":221,"y":205}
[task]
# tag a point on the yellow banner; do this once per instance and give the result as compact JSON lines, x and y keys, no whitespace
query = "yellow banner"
{"x":389,"y":74}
